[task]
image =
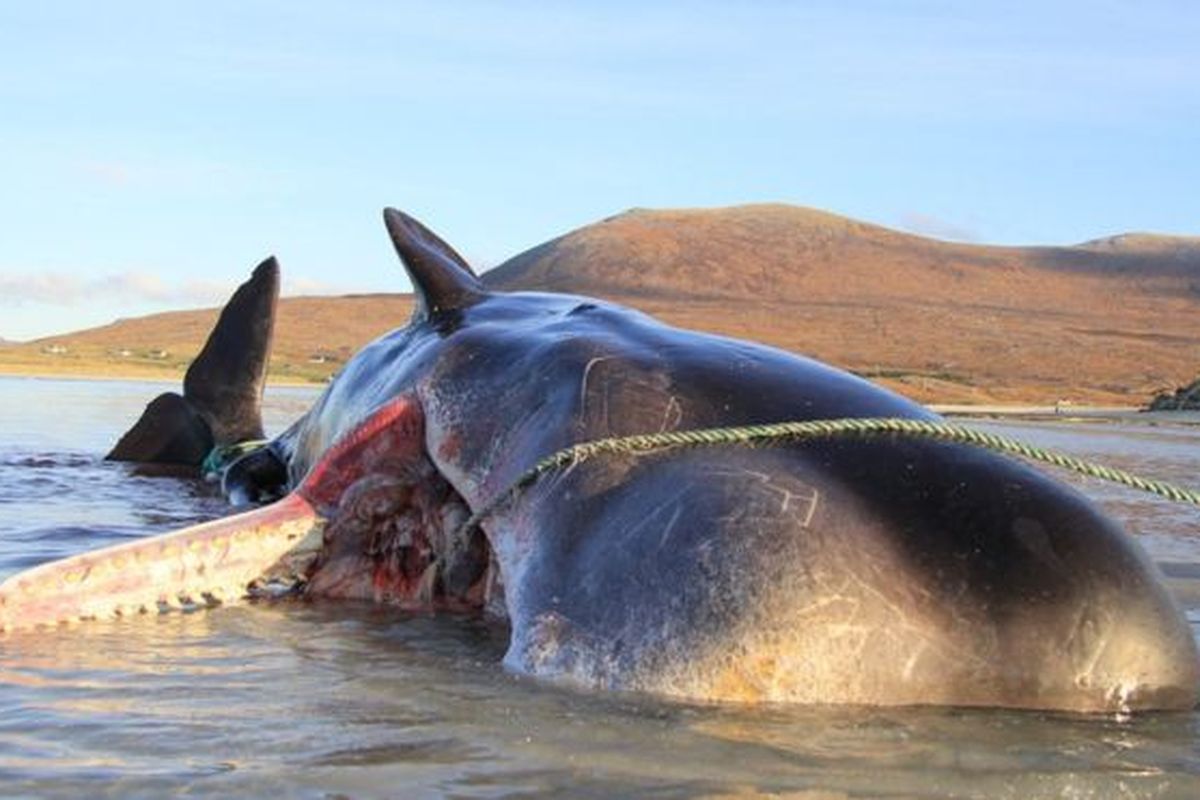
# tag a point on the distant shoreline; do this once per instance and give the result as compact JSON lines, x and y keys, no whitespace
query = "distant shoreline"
{"x":1030,"y":409}
{"x":1062,"y":412}
{"x":8,"y":371}
{"x":1066,"y":413}
{"x":50,"y":375}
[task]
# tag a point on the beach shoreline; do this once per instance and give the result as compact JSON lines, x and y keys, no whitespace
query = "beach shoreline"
{"x":149,"y":376}
{"x":1065,"y":413}
{"x":1062,"y":412}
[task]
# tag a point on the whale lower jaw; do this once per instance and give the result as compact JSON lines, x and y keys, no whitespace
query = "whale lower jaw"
{"x":217,"y":562}
{"x":373,"y":520}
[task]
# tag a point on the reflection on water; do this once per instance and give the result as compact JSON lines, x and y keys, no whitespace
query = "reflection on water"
{"x":316,"y":700}
{"x":294,"y":699}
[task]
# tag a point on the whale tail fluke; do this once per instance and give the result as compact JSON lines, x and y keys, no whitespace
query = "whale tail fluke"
{"x":222,"y":390}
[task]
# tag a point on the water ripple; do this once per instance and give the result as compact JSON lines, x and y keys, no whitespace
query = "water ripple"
{"x":291,"y":699}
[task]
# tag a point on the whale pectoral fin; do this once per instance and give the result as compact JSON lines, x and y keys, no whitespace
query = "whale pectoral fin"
{"x":225,"y":382}
{"x":170,"y":431}
{"x":213,"y":562}
{"x":222,"y":389}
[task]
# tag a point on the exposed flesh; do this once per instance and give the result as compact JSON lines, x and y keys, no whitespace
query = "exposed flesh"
{"x":373,"y":520}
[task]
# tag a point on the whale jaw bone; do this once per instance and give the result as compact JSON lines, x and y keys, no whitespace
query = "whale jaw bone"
{"x":207,"y":564}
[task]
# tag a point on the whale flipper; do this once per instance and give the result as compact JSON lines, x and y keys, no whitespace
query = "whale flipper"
{"x":225,"y":382}
{"x":222,"y":390}
{"x":168,"y":432}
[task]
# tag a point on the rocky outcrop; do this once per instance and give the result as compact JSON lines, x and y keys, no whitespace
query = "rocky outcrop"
{"x":1185,"y":398}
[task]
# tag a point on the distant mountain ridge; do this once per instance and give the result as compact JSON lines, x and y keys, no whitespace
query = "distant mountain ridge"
{"x":791,"y":251}
{"x":1183,"y":247}
{"x":1112,"y":320}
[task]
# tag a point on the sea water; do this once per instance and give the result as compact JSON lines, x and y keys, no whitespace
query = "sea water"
{"x":293,"y":699}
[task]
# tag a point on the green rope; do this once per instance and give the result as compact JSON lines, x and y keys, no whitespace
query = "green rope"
{"x":822,"y":429}
{"x":222,"y":455}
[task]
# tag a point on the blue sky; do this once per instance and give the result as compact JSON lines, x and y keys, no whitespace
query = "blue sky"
{"x":152,"y":152}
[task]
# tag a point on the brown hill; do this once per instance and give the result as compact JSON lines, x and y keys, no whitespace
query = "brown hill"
{"x":1108,"y":321}
{"x":1113,"y":320}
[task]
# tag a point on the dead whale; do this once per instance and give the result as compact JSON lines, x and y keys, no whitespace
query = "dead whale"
{"x":869,"y":571}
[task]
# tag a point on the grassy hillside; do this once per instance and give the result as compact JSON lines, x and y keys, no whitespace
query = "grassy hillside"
{"x":1110,"y":321}
{"x":313,"y":337}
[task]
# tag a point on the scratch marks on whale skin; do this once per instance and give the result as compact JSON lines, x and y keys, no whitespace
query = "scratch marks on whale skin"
{"x":587,"y":372}
{"x":672,"y":415}
{"x":618,"y":397}
{"x":762,"y":503}
{"x":835,"y":638}
{"x":770,"y":496}
{"x":824,"y":609}
{"x":676,"y":513}
{"x":1085,"y":643}
{"x":589,"y":414}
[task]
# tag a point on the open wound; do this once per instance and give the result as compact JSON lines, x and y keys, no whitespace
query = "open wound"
{"x":392,"y":520}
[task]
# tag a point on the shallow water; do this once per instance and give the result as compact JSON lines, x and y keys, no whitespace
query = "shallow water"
{"x":299,"y":700}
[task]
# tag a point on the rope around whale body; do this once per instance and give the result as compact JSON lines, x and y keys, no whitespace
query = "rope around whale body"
{"x":823,"y":429}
